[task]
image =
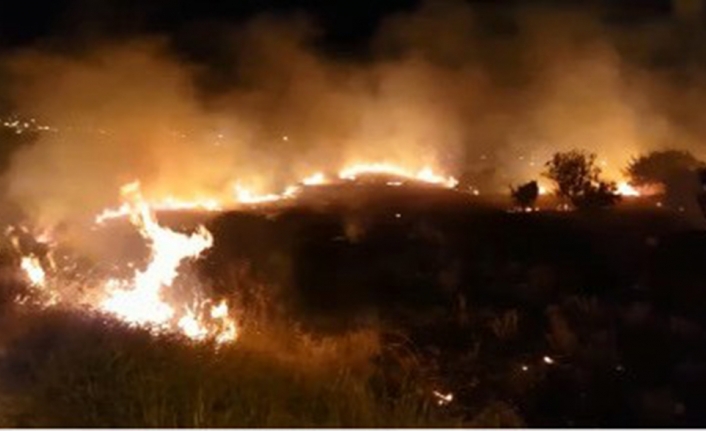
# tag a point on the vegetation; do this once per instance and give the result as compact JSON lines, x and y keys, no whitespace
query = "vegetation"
{"x":673,"y":170}
{"x":525,"y":195}
{"x":68,"y":370}
{"x":577,"y":179}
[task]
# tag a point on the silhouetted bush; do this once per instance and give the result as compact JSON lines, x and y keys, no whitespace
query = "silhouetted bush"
{"x":577,"y":179}
{"x":525,"y":195}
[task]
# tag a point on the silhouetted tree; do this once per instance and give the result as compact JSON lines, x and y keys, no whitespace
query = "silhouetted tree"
{"x":577,"y":179}
{"x":674,"y":170}
{"x":601,"y":195}
{"x":525,"y":195}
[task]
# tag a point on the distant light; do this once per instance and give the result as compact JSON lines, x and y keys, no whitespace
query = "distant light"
{"x":285,"y":138}
{"x":525,"y":368}
{"x":398,"y":215}
{"x":548,"y":360}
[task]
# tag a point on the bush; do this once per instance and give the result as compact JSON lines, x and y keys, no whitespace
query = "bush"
{"x":525,"y":195}
{"x":673,"y":170}
{"x":577,"y":179}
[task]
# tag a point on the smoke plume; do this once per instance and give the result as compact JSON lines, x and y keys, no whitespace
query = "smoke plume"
{"x":484,"y":94}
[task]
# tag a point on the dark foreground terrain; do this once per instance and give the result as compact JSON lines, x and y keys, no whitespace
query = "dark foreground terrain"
{"x":540,"y":319}
{"x":573,"y":319}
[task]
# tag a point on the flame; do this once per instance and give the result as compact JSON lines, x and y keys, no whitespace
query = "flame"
{"x":168,"y":204}
{"x":315,"y":179}
{"x":247,"y":196}
{"x":140,"y":301}
{"x":243,"y":195}
{"x":625,"y":189}
{"x":425,"y":174}
{"x":33,"y":270}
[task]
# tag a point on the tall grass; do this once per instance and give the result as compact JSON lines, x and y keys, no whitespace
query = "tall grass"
{"x":67,"y":369}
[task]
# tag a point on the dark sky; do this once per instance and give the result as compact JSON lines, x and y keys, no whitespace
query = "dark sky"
{"x":345,"y":22}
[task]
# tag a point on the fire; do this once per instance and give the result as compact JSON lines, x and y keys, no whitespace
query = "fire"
{"x":247,"y":196}
{"x":426,"y":174}
{"x":33,"y":270}
{"x":315,"y":179}
{"x":143,"y":300}
{"x":140,"y":301}
{"x":168,"y":204}
{"x":625,"y":189}
{"x":243,"y":195}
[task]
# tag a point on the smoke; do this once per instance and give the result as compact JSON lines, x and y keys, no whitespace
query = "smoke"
{"x":486,"y":94}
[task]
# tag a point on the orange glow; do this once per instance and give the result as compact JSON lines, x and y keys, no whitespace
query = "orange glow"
{"x":140,"y":300}
{"x":625,"y":189}
{"x":33,"y":270}
{"x":315,"y":179}
{"x":425,"y":174}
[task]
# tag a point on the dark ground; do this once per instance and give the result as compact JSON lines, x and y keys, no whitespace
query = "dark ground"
{"x":614,"y":298}
{"x":550,"y":318}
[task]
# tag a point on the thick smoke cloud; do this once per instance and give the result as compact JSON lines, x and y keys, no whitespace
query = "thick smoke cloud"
{"x":487,"y":95}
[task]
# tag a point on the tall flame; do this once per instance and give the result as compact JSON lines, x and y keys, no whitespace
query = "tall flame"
{"x":140,"y":300}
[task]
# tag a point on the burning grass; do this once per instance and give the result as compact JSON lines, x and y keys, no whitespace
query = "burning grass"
{"x":74,"y":369}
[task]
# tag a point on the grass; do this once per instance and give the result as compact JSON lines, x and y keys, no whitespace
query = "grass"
{"x":68,"y":369}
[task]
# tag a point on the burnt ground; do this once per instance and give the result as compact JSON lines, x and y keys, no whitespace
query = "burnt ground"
{"x":613,"y":299}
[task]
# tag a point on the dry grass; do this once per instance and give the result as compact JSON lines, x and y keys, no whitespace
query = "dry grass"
{"x":69,"y":369}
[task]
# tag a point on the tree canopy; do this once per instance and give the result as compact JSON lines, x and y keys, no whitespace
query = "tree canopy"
{"x":577,"y":179}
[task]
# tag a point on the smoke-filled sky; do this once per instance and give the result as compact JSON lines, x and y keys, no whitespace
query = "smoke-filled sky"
{"x":484,"y":93}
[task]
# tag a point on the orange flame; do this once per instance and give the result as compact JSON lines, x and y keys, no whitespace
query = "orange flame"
{"x":625,"y":189}
{"x":33,"y":270}
{"x":425,"y":174}
{"x":139,"y":301}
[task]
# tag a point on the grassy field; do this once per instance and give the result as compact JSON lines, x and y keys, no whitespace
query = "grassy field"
{"x":355,"y":316}
{"x":62,"y":369}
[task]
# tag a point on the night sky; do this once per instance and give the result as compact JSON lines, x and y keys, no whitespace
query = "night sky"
{"x":344,"y":24}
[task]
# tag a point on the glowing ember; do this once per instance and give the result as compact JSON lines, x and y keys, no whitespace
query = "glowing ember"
{"x":443,"y":399}
{"x":426,"y":175}
{"x":33,"y":270}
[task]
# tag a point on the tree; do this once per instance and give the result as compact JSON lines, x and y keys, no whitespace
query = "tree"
{"x":577,"y":179}
{"x":525,"y":195}
{"x":674,"y":170}
{"x":602,"y":195}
